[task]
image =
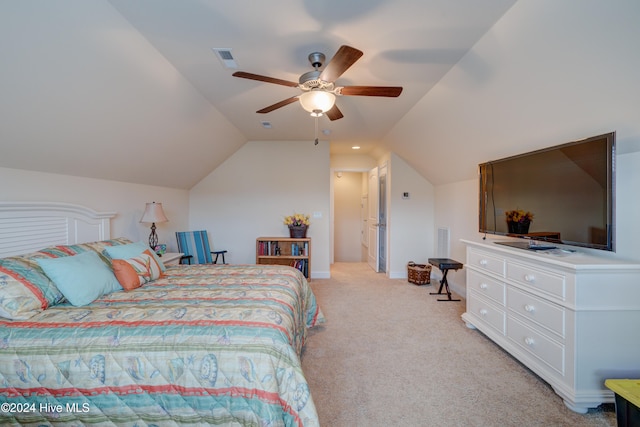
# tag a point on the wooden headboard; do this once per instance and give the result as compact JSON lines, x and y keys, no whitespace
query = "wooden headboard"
{"x":29,"y":226}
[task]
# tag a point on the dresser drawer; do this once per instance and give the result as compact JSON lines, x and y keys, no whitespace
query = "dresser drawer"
{"x":487,"y":312}
{"x":486,"y":262}
{"x":536,"y":344}
{"x":537,"y":279}
{"x":485,"y":285}
{"x":537,"y":310}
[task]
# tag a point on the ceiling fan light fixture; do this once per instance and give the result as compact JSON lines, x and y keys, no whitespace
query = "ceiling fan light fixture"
{"x":318,"y":86}
{"x":317,"y":102}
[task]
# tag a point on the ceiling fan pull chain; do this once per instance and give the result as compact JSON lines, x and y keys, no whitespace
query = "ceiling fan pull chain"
{"x":316,"y":120}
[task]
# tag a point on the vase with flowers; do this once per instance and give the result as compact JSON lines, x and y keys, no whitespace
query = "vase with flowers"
{"x":518,"y":221}
{"x":298,"y":224}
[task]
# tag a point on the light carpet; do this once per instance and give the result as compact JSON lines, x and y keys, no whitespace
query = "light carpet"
{"x":390,"y":354}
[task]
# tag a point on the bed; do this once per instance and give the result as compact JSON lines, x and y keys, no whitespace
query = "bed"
{"x":192,"y":345}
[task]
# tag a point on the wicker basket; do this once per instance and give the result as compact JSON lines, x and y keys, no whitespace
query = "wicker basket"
{"x":420,"y":274}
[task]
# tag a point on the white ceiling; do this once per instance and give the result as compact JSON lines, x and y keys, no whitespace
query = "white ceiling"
{"x":409,"y":43}
{"x":141,"y":90}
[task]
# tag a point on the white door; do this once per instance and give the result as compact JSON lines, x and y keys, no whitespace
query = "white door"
{"x":372,"y":222}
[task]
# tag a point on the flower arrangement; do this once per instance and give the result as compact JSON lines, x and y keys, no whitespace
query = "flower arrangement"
{"x":519,"y":215}
{"x":297,"y":220}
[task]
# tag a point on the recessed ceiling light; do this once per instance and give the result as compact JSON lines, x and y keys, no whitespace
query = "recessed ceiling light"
{"x":266,"y":125}
{"x":326,"y":131}
{"x":355,"y":147}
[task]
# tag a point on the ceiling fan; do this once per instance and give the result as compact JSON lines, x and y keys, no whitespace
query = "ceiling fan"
{"x":318,"y":86}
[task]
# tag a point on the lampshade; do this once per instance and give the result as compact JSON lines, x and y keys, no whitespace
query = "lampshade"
{"x":154,"y":213}
{"x":317,"y":101}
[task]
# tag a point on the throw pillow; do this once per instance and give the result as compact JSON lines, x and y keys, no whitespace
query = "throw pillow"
{"x":128,"y":276}
{"x":155,"y":268}
{"x":132,"y":250}
{"x":81,"y":278}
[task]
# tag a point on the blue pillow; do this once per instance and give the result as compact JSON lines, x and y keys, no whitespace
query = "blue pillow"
{"x":81,"y":278}
{"x":132,"y":250}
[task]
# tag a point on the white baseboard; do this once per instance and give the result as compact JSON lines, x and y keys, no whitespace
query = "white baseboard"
{"x":398,"y":275}
{"x":321,"y":275}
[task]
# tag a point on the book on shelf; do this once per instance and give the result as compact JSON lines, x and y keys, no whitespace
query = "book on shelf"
{"x":268,"y":248}
{"x":263,"y":248}
{"x":302,"y":265}
{"x":298,"y":249}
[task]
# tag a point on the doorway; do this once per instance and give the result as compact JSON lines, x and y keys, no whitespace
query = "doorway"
{"x":349,"y":192}
{"x":358,"y":197}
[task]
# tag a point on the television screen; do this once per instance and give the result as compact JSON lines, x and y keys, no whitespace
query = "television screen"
{"x":562,"y":194}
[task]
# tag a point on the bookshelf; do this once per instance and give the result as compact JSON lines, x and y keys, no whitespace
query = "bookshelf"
{"x":285,"y":251}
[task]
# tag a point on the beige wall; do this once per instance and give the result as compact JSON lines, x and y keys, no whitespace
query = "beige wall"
{"x":456,"y":208}
{"x":352,"y":162}
{"x":127,"y":200}
{"x":410,"y":221}
{"x":348,"y":190}
{"x":249,"y":195}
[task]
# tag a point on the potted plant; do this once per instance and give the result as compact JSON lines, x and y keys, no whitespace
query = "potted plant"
{"x":298,"y":224}
{"x":518,"y":221}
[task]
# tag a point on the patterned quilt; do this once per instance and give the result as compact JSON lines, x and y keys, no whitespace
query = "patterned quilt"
{"x":203,"y":345}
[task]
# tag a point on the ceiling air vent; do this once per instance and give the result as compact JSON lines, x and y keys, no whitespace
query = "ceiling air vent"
{"x":225,"y":56}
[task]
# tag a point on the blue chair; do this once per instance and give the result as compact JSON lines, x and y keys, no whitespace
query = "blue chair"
{"x":195,"y":247}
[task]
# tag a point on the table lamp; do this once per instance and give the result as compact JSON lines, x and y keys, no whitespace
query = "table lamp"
{"x":153,"y":213}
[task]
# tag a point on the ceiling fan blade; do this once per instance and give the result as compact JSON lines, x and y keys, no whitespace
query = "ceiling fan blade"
{"x":266,"y":79}
{"x":341,"y":61}
{"x":334,"y":113}
{"x":389,"y":91}
{"x":277,"y":105}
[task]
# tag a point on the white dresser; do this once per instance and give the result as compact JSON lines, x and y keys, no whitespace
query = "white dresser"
{"x":573,"y":319}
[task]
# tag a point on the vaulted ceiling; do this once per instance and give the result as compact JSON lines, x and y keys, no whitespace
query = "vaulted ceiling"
{"x":128,"y":90}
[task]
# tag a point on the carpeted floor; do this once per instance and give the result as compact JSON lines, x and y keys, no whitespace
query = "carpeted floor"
{"x":391,"y":355}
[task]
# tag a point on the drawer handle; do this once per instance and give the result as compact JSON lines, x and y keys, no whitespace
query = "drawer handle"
{"x":529,"y":308}
{"x":483,"y":311}
{"x":484,"y":262}
{"x":529,"y":341}
{"x":529,"y":278}
{"x":483,"y":286}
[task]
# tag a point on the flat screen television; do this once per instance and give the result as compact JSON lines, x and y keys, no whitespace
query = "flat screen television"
{"x":567,"y":191}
